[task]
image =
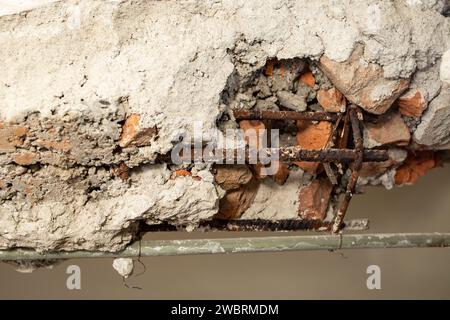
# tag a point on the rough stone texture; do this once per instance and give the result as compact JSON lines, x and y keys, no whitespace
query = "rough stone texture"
{"x":434,"y":130}
{"x":363,"y":83}
{"x":274,"y":201}
{"x":93,"y":93}
{"x":292,"y":101}
{"x":123,"y":266}
{"x":445,"y":67}
{"x":79,"y":210}
{"x":13,"y":6}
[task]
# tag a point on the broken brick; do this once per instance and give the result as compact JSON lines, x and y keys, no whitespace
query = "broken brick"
{"x":312,"y":136}
{"x":11,"y":136}
{"x":391,"y":129}
{"x":25,"y":158}
{"x":416,"y":165}
{"x":19,"y":131}
{"x":182,"y":173}
{"x":331,"y":100}
{"x":133,"y":134}
{"x":122,"y":171}
{"x":314,"y":199}
{"x":282,"y":174}
{"x":268,"y":70}
{"x":254,"y":137}
{"x":307,"y":78}
{"x":129,"y":130}
{"x":258,"y":171}
{"x":231,"y":177}
{"x":253,"y":132}
{"x":412,"y":104}
{"x":236,"y":202}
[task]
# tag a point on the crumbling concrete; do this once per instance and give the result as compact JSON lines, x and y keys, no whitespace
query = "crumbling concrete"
{"x":95,"y":93}
{"x":434,"y":130}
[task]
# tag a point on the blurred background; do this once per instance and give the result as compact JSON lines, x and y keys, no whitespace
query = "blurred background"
{"x":405,"y":273}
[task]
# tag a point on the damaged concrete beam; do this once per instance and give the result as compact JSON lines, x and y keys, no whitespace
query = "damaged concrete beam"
{"x":95,"y":94}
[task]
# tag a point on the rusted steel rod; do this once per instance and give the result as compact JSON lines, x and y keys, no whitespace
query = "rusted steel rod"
{"x":295,"y":153}
{"x":330,"y":144}
{"x":355,"y":122}
{"x":284,"y":115}
{"x":331,"y":155}
{"x":262,"y":225}
{"x":281,"y":225}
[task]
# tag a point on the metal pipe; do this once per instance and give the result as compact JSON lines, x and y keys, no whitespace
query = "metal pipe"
{"x":246,"y":245}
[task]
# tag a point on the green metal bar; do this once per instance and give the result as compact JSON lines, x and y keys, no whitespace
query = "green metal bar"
{"x":241,"y":245}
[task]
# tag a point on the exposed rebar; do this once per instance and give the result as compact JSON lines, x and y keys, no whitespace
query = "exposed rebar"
{"x":355,"y":121}
{"x":330,"y":144}
{"x":261,"y":225}
{"x":284,"y":115}
{"x":290,"y":154}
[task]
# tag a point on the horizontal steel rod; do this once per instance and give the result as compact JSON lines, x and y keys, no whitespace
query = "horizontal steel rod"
{"x":262,"y":225}
{"x":295,"y":115}
{"x":331,"y":155}
{"x":246,"y":245}
{"x":285,"y":154}
{"x":284,"y":115}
